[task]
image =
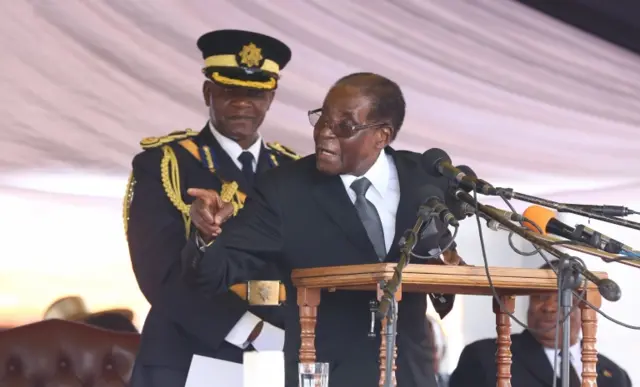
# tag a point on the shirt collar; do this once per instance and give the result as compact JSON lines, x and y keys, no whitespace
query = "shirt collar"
{"x":378,"y":175}
{"x":232,"y":148}
{"x":575,"y":350}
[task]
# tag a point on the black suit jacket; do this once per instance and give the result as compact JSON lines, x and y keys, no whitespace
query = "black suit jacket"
{"x":182,"y":321}
{"x":530,"y":368}
{"x":300,"y":218}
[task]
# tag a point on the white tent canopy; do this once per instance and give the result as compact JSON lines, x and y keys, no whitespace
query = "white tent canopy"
{"x":527,"y":101}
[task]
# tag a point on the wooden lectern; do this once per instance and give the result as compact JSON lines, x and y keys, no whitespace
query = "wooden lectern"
{"x":508,"y":282}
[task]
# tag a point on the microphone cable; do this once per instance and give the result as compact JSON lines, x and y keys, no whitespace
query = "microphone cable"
{"x":580,"y":295}
{"x":440,"y":251}
{"x":494,"y":292}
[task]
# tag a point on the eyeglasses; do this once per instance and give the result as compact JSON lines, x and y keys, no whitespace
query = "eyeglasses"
{"x":340,"y":129}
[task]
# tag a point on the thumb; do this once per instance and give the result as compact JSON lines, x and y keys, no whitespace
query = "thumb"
{"x":225,"y":212}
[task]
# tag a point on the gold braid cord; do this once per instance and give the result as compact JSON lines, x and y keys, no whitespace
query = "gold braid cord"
{"x":283,"y":150}
{"x":230,"y":194}
{"x":126,"y":204}
{"x":170,"y":175}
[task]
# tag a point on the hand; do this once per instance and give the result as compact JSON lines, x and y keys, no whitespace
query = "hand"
{"x":451,"y":257}
{"x":208,"y":212}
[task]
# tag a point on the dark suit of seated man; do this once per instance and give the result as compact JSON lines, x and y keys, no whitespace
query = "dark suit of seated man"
{"x":533,"y":354}
{"x":349,"y":203}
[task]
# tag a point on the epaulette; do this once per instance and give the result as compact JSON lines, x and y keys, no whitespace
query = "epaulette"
{"x":154,"y":142}
{"x":283,"y":150}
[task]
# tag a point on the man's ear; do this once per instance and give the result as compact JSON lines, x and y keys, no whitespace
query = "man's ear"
{"x":384,"y":137}
{"x":206,"y":92}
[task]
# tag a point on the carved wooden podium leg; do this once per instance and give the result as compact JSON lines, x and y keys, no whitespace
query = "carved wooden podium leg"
{"x":383,"y":357}
{"x":383,"y":344}
{"x":589,"y":352}
{"x":308,"y":301}
{"x":503,"y":329}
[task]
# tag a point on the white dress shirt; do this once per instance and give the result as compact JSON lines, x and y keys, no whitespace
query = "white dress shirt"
{"x":384,"y":193}
{"x":271,"y":338}
{"x":234,"y":150}
{"x":575,"y":354}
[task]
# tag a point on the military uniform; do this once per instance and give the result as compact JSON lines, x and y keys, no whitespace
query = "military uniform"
{"x":182,"y":322}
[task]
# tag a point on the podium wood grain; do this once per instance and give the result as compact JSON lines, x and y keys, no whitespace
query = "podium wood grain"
{"x":472,"y":280}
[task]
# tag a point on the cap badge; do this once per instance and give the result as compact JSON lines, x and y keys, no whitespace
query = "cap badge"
{"x":250,"y":55}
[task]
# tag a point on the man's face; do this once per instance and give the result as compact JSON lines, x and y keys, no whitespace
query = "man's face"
{"x":543,"y":315}
{"x":237,"y":112}
{"x":346,"y":106}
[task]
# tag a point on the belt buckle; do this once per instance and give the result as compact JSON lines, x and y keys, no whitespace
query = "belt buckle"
{"x":263,"y":293}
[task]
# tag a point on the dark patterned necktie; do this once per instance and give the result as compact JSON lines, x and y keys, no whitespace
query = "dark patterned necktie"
{"x":246,"y":159}
{"x":369,"y":217}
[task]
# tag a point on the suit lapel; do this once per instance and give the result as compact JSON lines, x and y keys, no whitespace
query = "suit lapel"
{"x":331,"y":195}
{"x":406,"y":215}
{"x":530,"y":353}
{"x":264,"y":161}
{"x":605,"y":376}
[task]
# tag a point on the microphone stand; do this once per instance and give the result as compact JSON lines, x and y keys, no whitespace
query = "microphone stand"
{"x":509,"y":193}
{"x":388,"y":307}
{"x":569,"y":277}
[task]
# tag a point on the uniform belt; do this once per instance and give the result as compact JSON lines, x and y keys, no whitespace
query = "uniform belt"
{"x":263,"y":293}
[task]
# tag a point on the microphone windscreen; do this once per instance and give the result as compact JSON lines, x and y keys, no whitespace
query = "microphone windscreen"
{"x":427,"y":191}
{"x":540,"y":216}
{"x":431,"y":158}
{"x":457,"y":206}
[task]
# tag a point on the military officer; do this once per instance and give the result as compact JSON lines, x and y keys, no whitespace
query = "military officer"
{"x":242,"y":71}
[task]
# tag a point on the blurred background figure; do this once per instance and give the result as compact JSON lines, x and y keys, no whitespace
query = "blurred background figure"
{"x":73,"y":308}
{"x":439,"y":342}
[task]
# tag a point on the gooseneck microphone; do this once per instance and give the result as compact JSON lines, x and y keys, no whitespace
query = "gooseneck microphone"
{"x":546,"y":220}
{"x":604,"y":210}
{"x":438,"y":163}
{"x":432,"y":206}
{"x":435,"y":204}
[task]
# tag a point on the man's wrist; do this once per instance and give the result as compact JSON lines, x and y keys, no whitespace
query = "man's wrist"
{"x":201,"y":243}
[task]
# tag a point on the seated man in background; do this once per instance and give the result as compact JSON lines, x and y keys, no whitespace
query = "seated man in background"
{"x":533,"y":353}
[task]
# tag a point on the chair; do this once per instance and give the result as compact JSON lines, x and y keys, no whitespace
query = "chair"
{"x":65,"y":353}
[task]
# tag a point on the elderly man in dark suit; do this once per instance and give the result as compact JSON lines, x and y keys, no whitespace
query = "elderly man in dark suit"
{"x":533,"y":353}
{"x":349,"y":203}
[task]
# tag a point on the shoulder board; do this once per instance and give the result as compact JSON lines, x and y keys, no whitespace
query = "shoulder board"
{"x":154,"y":142}
{"x":283,"y":150}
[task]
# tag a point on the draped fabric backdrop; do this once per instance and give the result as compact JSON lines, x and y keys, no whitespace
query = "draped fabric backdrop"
{"x":526,"y":100}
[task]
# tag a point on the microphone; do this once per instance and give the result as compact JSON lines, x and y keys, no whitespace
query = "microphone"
{"x":438,"y":163}
{"x":608,"y":289}
{"x":548,"y":223}
{"x":431,"y":208}
{"x":464,"y":209}
{"x":604,"y":210}
{"x":435,"y":205}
